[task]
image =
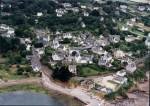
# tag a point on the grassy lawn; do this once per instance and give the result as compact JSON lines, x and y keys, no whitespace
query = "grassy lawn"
{"x":126,"y":1}
{"x":9,"y":75}
{"x":28,"y":87}
{"x":86,"y":71}
{"x":137,"y":33}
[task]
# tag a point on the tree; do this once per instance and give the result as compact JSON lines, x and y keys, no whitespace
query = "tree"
{"x":95,"y":13}
{"x":74,"y":53}
{"x":38,"y":45}
{"x":62,"y":74}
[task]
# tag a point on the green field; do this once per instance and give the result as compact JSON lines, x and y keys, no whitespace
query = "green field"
{"x":87,"y":71}
{"x":126,"y":1}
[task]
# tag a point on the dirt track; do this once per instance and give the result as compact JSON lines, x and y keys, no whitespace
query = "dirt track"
{"x":20,"y":81}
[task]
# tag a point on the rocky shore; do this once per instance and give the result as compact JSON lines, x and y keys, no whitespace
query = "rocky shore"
{"x":137,"y":98}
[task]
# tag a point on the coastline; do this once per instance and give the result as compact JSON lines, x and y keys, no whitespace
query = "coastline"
{"x":39,"y":88}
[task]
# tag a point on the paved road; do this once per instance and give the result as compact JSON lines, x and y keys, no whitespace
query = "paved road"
{"x":19,"y":81}
{"x":88,"y":99}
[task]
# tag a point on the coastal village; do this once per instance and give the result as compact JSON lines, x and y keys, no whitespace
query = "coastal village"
{"x":99,"y":63}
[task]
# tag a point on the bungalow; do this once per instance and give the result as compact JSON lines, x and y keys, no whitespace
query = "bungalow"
{"x":67,"y":35}
{"x":102,"y":42}
{"x":62,"y":48}
{"x":120,"y":79}
{"x":133,"y":19}
{"x":98,"y":50}
{"x":123,"y":6}
{"x":108,"y":57}
{"x":60,"y":12}
{"x":66,"y":5}
{"x":4,"y":27}
{"x":125,"y":59}
{"x":129,"y":54}
{"x":86,"y":14}
{"x":40,"y":51}
{"x":131,"y":67}
{"x":83,"y":59}
{"x":75,"y":9}
{"x":11,"y":31}
{"x":57,"y":57}
{"x":72,"y":68}
{"x":88,"y":83}
{"x":70,"y":59}
{"x":124,"y":28}
{"x":121,"y":73}
{"x":123,"y":10}
{"x":114,"y":38}
{"x":55,"y":44}
{"x":129,"y":23}
{"x":28,"y":47}
{"x":129,"y":38}
{"x":77,"y":49}
{"x":25,"y":40}
{"x":102,"y":62}
{"x":96,"y":8}
{"x":147,"y":41}
{"x":141,"y":8}
{"x":39,"y":14}
{"x":83,"y":6}
{"x":83,"y":25}
{"x":118,"y":53}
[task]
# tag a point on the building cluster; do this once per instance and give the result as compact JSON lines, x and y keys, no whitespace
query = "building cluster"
{"x":7,"y":31}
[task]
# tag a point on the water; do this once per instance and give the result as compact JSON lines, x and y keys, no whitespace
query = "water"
{"x":28,"y":98}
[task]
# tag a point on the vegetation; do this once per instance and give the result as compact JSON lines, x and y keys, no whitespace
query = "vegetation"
{"x":62,"y":74}
{"x":40,"y":89}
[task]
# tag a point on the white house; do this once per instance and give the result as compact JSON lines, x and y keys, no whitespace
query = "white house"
{"x":118,"y":53}
{"x":28,"y":48}
{"x":96,"y":8}
{"x":129,"y":38}
{"x":83,"y":25}
{"x":39,"y":14}
{"x":114,"y":38}
{"x":55,"y":44}
{"x":60,"y":12}
{"x":124,"y":28}
{"x":72,"y":68}
{"x":4,"y":26}
{"x":120,"y":79}
{"x":98,"y":50}
{"x":133,"y":19}
{"x":40,"y":51}
{"x":131,"y":67}
{"x":67,"y":5}
{"x":83,"y":6}
{"x":129,"y":23}
{"x":11,"y":31}
{"x":123,"y":6}
{"x":67,"y":35}
{"x":86,"y":14}
{"x":121,"y":73}
{"x":147,"y":41}
{"x":141,"y":8}
{"x":57,"y":57}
